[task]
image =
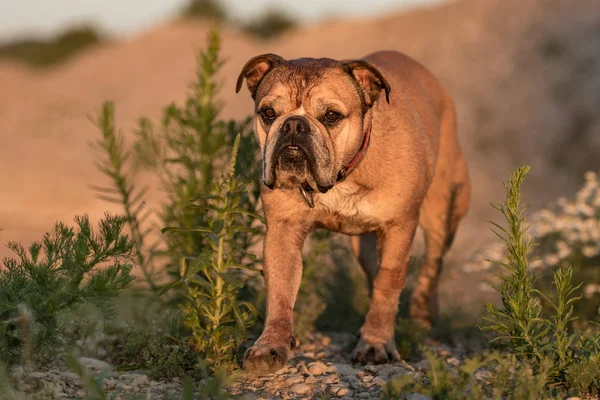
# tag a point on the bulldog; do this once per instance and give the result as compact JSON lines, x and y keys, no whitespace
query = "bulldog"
{"x":365,"y":147}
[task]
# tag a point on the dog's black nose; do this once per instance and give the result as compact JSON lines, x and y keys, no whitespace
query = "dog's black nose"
{"x":296,"y":125}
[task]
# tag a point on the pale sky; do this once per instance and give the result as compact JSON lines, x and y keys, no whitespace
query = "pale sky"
{"x":21,"y":17}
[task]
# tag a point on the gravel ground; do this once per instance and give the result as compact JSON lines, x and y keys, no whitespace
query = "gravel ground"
{"x":319,"y":369}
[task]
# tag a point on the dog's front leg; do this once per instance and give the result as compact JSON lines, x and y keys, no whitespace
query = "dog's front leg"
{"x":283,"y":273}
{"x":377,"y":343}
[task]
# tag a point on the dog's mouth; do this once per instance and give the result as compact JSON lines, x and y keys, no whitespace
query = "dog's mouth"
{"x":292,"y":155}
{"x":293,"y":165}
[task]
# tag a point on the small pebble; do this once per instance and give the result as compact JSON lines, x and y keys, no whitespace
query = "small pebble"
{"x":453,"y":361}
{"x":17,"y":373}
{"x":417,"y":396}
{"x":140,"y":380}
{"x":317,"y":368}
{"x":331,"y":368}
{"x":25,"y":388}
{"x":379,"y":381}
{"x":293,"y":380}
{"x":346,"y":370}
{"x":300,"y":388}
{"x":308,"y":347}
{"x":94,"y":364}
{"x":334,"y":388}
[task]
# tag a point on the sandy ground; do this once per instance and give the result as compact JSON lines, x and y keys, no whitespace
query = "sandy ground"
{"x":524,"y":76}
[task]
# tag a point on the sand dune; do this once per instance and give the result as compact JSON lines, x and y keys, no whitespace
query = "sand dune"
{"x":525,"y":76}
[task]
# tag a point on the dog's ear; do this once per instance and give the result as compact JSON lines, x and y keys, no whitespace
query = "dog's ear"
{"x":255,"y":70}
{"x":370,"y":80}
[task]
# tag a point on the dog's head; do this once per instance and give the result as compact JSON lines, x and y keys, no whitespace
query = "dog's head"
{"x":309,"y":115}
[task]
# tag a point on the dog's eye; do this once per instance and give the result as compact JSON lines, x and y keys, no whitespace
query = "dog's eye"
{"x":268,"y":114}
{"x":332,"y":116}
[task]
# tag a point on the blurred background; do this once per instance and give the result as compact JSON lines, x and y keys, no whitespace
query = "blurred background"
{"x":525,"y":75}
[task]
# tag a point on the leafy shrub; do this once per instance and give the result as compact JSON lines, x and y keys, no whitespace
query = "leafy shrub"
{"x":271,"y":24}
{"x":565,"y":235}
{"x":44,"y":53}
{"x":68,"y":269}
{"x":117,"y":165}
{"x":546,"y":359}
{"x":167,"y":358}
{"x":147,"y":336}
{"x":208,"y":9}
{"x":520,"y":323}
{"x":208,"y":212}
{"x":184,"y":154}
{"x":219,"y":320}
{"x":484,"y":376}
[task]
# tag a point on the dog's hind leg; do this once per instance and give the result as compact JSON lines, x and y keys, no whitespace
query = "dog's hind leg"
{"x":365,"y":249}
{"x":441,"y":213}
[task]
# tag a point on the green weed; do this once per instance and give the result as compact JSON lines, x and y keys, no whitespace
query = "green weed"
{"x":218,"y":319}
{"x":531,"y":336}
{"x":70,"y":268}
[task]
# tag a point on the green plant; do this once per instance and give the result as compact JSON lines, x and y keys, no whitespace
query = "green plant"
{"x":520,"y":320}
{"x":117,"y":166}
{"x":6,"y":386}
{"x":186,"y":153}
{"x":208,"y":9}
{"x":185,"y":156}
{"x":520,"y":323}
{"x":219,"y":320}
{"x":440,"y":381}
{"x":166,"y":358}
{"x":271,"y":24}
{"x":566,"y":234}
{"x":409,"y":337}
{"x":93,"y":385}
{"x":484,"y":376}
{"x":68,"y":269}
{"x":43,"y":53}
{"x":212,"y":388}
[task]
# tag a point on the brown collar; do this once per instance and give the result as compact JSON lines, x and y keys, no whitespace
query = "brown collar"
{"x":307,"y":193}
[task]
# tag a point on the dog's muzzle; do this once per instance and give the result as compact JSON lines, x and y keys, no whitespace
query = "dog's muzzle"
{"x":292,"y":155}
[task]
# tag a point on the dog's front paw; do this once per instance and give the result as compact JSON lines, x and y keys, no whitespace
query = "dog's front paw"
{"x":376,"y":353}
{"x":264,"y":358}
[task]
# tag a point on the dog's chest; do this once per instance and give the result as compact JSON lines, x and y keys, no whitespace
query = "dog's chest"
{"x":349,"y":209}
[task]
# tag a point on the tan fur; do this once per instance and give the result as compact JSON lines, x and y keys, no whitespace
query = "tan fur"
{"x":413,"y":173}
